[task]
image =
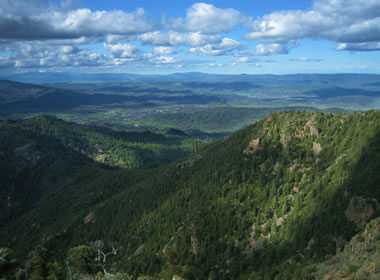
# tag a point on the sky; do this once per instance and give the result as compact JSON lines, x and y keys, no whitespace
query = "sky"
{"x":162,"y":36}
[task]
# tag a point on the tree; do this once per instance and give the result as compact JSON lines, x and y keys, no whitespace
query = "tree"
{"x":39,"y":263}
{"x":82,"y":260}
{"x":9,"y":267}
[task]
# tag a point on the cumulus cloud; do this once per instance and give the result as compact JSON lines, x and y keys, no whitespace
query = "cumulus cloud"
{"x":31,"y":20}
{"x":226,"y":46}
{"x":39,"y":55}
{"x":165,"y":60}
{"x":121,"y":50}
{"x":271,"y":49}
{"x":163,"y":50}
{"x":174,"y":38}
{"x":370,"y":46}
{"x":209,"y":19}
{"x":344,"y":21}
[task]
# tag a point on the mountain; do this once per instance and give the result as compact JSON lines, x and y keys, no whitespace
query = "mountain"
{"x":40,"y":154}
{"x":268,"y":202}
{"x":31,"y":165}
{"x":12,"y":91}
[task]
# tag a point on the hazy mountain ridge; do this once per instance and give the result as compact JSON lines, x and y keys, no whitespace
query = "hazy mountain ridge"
{"x":264,"y":202}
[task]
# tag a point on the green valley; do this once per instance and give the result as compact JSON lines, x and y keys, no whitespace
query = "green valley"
{"x":273,"y":201}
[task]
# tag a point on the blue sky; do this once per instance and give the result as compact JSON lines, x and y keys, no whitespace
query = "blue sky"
{"x":160,"y":36}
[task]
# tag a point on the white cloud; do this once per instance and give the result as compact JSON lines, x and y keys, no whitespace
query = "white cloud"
{"x":209,"y":19}
{"x":271,"y":49}
{"x":226,"y":46}
{"x":121,"y":50}
{"x":165,"y":60}
{"x":43,"y":20}
{"x":69,"y":49}
{"x":37,"y":54}
{"x":370,"y":46}
{"x":344,"y":21}
{"x":243,"y":59}
{"x":173,"y":38}
{"x":163,"y":50}
{"x":84,"y":21}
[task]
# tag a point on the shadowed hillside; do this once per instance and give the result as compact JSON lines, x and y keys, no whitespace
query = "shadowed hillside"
{"x":264,"y":203}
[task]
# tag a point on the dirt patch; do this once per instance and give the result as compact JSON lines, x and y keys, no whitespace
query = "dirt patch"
{"x":90,"y":218}
{"x":101,"y":158}
{"x":317,"y":148}
{"x":304,"y":169}
{"x":285,"y":140}
{"x":279,"y":221}
{"x":314,"y":130}
{"x":252,"y":146}
{"x":139,"y":250}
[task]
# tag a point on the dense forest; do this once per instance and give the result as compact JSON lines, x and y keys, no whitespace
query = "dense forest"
{"x":273,"y":201}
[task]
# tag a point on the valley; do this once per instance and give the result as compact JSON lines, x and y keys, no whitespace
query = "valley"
{"x":196,"y":103}
{"x":190,"y":176}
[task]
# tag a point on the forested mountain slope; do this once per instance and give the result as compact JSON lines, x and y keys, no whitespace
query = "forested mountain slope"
{"x":112,"y":148}
{"x":264,"y":203}
{"x":41,"y":154}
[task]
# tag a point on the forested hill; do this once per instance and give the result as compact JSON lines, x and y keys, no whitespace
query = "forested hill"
{"x":268,"y":202}
{"x":40,"y":155}
{"x":112,"y":148}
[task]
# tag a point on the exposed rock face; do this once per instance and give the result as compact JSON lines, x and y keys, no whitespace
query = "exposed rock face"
{"x":195,"y":246}
{"x":90,"y":218}
{"x":285,"y":140}
{"x":360,"y":258}
{"x":317,"y":148}
{"x":360,"y":210}
{"x":139,"y":250}
{"x":252,"y":146}
{"x":314,"y":131}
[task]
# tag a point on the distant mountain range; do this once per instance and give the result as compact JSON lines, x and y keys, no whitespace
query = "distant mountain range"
{"x":69,"y":77}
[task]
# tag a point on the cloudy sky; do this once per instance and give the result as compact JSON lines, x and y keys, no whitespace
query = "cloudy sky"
{"x":166,"y":36}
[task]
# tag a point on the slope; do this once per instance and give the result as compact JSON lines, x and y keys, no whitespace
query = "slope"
{"x":360,"y":259}
{"x":40,"y":155}
{"x":260,"y":204}
{"x":122,"y":149}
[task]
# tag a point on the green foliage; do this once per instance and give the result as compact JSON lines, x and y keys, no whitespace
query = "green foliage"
{"x":42,"y":268}
{"x":9,"y":267}
{"x":264,"y":203}
{"x":55,"y":271}
{"x":122,"y":149}
{"x":82,"y":260}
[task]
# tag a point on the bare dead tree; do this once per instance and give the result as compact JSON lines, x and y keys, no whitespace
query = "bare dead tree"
{"x":102,"y":256}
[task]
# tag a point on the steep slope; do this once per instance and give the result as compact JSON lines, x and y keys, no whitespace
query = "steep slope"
{"x":40,"y":155}
{"x":360,"y":259}
{"x":263,"y":202}
{"x":31,"y":165}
